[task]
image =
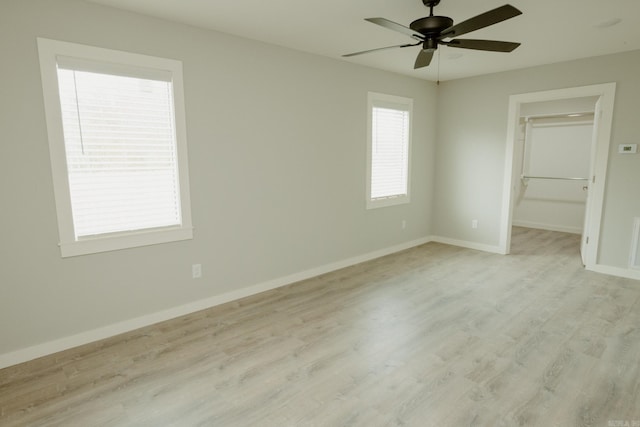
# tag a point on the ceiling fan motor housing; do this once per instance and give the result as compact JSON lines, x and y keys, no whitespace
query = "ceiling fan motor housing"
{"x":430,"y":3}
{"x":430,"y":44}
{"x":431,"y":25}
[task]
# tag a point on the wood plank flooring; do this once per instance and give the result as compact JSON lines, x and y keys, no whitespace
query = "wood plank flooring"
{"x":432,"y":336}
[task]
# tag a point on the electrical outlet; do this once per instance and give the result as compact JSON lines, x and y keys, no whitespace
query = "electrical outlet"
{"x":196,"y":271}
{"x":474,"y":223}
{"x":404,"y":224}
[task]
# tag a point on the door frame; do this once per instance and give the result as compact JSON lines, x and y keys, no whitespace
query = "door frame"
{"x":584,"y":238}
{"x":606,"y":94}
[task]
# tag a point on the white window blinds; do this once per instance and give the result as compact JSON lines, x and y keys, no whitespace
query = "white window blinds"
{"x":120,"y":149}
{"x":390,"y":128}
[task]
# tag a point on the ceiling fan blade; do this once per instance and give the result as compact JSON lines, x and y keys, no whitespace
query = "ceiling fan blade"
{"x":379,"y":48}
{"x":486,"y":19}
{"x":424,"y":59}
{"x":491,"y":45}
{"x":396,"y":27}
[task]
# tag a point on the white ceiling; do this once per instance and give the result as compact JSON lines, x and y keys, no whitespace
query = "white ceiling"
{"x":549,"y":30}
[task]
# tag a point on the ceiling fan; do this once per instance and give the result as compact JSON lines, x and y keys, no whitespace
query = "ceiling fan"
{"x":432,"y":31}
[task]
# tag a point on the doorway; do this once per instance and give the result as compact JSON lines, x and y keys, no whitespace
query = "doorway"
{"x":603,"y":95}
{"x":553,"y":159}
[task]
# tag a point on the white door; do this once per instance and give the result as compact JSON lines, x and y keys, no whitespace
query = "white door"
{"x":588,"y":184}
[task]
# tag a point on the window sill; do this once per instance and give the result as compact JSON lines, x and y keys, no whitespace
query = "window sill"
{"x":387,"y":201}
{"x":119,"y":241}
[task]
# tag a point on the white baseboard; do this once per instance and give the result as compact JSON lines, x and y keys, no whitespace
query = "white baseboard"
{"x":627,"y":273}
{"x":467,"y":244}
{"x":550,"y":227}
{"x":39,"y":350}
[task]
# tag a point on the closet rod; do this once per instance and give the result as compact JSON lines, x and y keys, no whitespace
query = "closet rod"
{"x":554,"y":177}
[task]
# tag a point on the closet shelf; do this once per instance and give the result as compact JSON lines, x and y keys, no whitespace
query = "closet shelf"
{"x":528,"y":177}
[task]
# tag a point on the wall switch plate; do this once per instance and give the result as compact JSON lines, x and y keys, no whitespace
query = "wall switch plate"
{"x":196,"y":271}
{"x":474,"y":223}
{"x":627,"y":148}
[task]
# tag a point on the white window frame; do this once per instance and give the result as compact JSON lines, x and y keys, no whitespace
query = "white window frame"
{"x":49,"y":51}
{"x":395,"y":102}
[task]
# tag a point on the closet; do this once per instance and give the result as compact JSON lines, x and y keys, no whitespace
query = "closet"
{"x":554,"y":152}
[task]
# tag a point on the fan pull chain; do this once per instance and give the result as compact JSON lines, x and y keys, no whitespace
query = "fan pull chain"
{"x":438,"y":77}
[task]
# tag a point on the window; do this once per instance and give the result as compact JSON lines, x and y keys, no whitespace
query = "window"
{"x":118,"y":147}
{"x":388,"y":150}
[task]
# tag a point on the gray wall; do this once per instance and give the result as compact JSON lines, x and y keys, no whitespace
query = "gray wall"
{"x":471,"y":135}
{"x":277,"y":145}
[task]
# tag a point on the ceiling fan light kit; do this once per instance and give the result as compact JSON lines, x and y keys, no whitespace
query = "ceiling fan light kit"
{"x":432,"y":31}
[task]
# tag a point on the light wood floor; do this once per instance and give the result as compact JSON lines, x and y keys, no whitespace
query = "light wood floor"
{"x":432,"y":336}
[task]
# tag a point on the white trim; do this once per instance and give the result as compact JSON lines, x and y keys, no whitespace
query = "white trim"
{"x":615,"y":271}
{"x":467,"y":244}
{"x":381,"y":202}
{"x":125,"y":240}
{"x":49,"y":52}
{"x":606,"y":92}
{"x":39,"y":350}
{"x":550,"y":227}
